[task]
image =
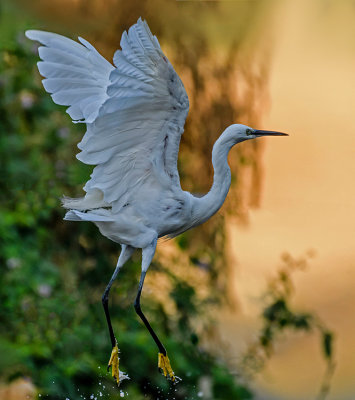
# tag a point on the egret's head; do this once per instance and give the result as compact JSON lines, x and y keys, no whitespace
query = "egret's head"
{"x":238,"y":133}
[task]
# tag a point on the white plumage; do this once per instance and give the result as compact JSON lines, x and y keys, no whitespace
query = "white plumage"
{"x":134,"y":112}
{"x":134,"y":115}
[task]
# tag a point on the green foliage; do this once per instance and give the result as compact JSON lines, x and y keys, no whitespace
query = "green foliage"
{"x":52,"y":326}
{"x":328,"y":344}
{"x":279,"y":316}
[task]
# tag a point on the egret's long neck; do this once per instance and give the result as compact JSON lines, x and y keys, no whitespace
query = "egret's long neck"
{"x":209,"y":204}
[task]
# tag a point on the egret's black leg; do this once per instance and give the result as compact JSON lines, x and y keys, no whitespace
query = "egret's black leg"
{"x":124,"y":256}
{"x":163,"y":360}
{"x":107,"y":312}
{"x":114,"y":359}
{"x":137,"y":307}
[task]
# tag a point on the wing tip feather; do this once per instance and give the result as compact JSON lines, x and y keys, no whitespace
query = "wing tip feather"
{"x":31,"y":34}
{"x":40,"y":36}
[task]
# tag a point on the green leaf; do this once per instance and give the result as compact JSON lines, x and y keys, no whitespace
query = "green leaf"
{"x":328,"y":344}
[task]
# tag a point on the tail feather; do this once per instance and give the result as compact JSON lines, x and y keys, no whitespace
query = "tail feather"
{"x":92,"y":200}
{"x":75,"y":215}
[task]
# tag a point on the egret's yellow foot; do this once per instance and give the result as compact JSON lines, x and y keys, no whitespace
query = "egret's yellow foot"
{"x":165,"y":368}
{"x":114,"y":364}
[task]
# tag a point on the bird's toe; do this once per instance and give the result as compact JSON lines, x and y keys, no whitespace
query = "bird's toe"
{"x":165,"y":368}
{"x":114,"y":365}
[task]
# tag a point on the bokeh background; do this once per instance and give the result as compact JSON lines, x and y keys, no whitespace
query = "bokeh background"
{"x":257,"y":303}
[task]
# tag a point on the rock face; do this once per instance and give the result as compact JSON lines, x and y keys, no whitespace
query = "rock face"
{"x":20,"y":389}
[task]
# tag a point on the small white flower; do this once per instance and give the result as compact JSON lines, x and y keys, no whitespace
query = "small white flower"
{"x":27,"y":99}
{"x":44,"y":290}
{"x":63,"y":132}
{"x":13,"y":263}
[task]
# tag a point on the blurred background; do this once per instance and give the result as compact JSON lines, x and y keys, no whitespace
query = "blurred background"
{"x":258,"y":302}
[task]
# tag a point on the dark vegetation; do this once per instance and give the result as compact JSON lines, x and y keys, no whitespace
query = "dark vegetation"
{"x":279,"y":317}
{"x":54,"y":273}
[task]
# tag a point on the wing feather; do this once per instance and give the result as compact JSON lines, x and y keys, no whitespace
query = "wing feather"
{"x":76,"y":74}
{"x":134,"y":113}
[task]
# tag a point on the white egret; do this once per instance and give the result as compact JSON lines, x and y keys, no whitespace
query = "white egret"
{"x":134,"y":113}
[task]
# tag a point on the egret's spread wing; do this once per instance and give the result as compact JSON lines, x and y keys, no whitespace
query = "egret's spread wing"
{"x":76,"y":74}
{"x":134,"y":139}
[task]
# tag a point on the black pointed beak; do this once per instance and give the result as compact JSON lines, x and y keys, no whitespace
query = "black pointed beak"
{"x":268,"y":133}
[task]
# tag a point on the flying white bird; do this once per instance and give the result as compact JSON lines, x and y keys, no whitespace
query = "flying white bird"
{"x":135,"y":113}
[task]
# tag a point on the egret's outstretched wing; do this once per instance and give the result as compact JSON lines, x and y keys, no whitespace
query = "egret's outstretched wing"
{"x":76,"y":75}
{"x":134,"y":139}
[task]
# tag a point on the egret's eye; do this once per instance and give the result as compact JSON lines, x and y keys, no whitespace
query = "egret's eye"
{"x":249,"y":132}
